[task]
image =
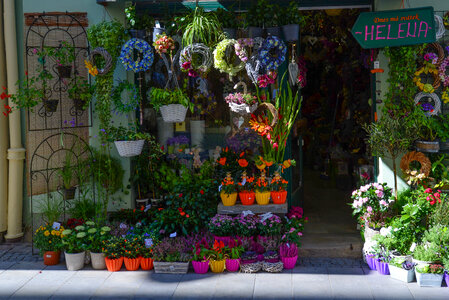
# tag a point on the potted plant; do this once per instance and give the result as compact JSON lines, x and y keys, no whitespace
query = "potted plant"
{"x":263,"y":192}
{"x":128,"y":141}
{"x":137,"y":24}
{"x":173,"y":105}
{"x":246,"y":228}
{"x":425,"y":254}
{"x":131,"y":252}
{"x":246,"y":190}
{"x":200,"y":260}
{"x":382,"y":263}
{"x":146,"y":254}
{"x":428,"y":138}
{"x":201,"y":27}
{"x":48,"y":240}
{"x":235,"y":252}
{"x":217,"y":256}
{"x":64,"y":55}
{"x":80,"y":92}
{"x":66,"y":173}
{"x":291,"y":21}
{"x":228,"y":21}
{"x":429,"y":274}
{"x":228,"y":191}
{"x":278,"y":189}
{"x":74,"y":241}
{"x":171,"y":256}
{"x":257,"y":17}
{"x":402,"y":270}
{"x":289,"y":255}
{"x":269,"y":226}
{"x":446,"y":266}
{"x":443,"y":131}
{"x":113,"y":252}
{"x":97,"y":235}
{"x":222,"y":227}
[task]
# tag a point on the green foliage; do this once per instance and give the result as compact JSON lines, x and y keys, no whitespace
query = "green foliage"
{"x":428,"y":126}
{"x":201,"y":27}
{"x":31,"y":90}
{"x":132,"y":246}
{"x":134,"y":21}
{"x":440,"y":215}
{"x":426,"y":252}
{"x":96,"y":235}
{"x":75,"y":240}
{"x":66,"y":172}
{"x":107,"y":171}
{"x":85,"y":209}
{"x":227,"y":18}
{"x":290,"y":15}
{"x":262,"y":14}
{"x":64,"y":54}
{"x":51,"y":210}
{"x":160,"y":97}
{"x":47,"y":239}
{"x":431,"y":268}
{"x":113,"y":247}
{"x":82,"y":90}
{"x":438,"y":235}
{"x":130,"y":133}
{"x":442,"y":128}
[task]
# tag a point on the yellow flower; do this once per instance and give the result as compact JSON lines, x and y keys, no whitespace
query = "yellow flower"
{"x":47,"y":233}
{"x":49,"y":241}
{"x":58,"y":233}
{"x":53,"y":232}
{"x":92,"y":69}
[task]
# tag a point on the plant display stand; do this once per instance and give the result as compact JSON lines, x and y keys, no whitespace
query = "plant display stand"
{"x":171,"y":267}
{"x":279,"y":209}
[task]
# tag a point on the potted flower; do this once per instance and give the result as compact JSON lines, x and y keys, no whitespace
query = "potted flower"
{"x":131,"y":252}
{"x":81,"y":92}
{"x":402,"y":270}
{"x":381,"y":262}
{"x":96,"y":236}
{"x":241,"y":103}
{"x":128,"y":141}
{"x":246,"y":228}
{"x":200,"y":262}
{"x":291,"y":21}
{"x":48,"y":241}
{"x":171,"y":256}
{"x":246,"y":190}
{"x":263,"y":192}
{"x":74,"y":241}
{"x":425,"y":254}
{"x":269,"y":226}
{"x":217,"y":256}
{"x":113,"y":252}
{"x":173,"y":105}
{"x":228,"y":191}
{"x":64,"y":56}
{"x":289,"y":255}
{"x":429,"y":274}
{"x":222,"y":227}
{"x":278,"y":189}
{"x":235,"y":252}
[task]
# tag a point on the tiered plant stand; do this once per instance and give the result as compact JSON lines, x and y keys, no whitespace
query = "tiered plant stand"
{"x":278,"y":209}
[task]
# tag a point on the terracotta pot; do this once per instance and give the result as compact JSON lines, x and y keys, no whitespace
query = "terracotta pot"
{"x":132,"y":264}
{"x":228,"y":199}
{"x":146,"y":263}
{"x":74,"y":261}
{"x":97,"y":260}
{"x":279,"y":197}
{"x":200,"y":267}
{"x":233,"y":265}
{"x":114,"y":265}
{"x":263,"y":198}
{"x":51,"y":258}
{"x":247,"y":198}
{"x":289,"y":262}
{"x":217,"y":266}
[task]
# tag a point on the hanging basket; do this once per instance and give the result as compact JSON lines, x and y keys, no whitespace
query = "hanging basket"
{"x":173,"y":113}
{"x":242,"y":109}
{"x":270,"y":107}
{"x":129,"y":148}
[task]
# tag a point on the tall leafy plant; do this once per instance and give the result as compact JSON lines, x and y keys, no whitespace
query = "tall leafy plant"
{"x":201,"y":27}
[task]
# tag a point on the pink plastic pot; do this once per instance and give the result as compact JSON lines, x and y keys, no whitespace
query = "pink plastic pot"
{"x":289,"y":262}
{"x":233,"y":265}
{"x":260,"y":257}
{"x":200,"y":267}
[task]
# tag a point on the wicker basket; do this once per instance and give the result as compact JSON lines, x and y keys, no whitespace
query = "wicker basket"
{"x":425,"y":146}
{"x":173,"y":113}
{"x":251,"y":268}
{"x":129,"y":148}
{"x":273,"y":267}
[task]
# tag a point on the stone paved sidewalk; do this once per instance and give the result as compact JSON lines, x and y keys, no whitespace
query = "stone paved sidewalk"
{"x":23,"y":276}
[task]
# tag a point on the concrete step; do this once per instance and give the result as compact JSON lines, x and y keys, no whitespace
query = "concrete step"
{"x":341,"y":245}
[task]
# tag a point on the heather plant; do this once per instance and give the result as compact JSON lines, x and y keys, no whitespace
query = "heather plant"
{"x":222,"y":225}
{"x":172,"y":250}
{"x":288,"y":250}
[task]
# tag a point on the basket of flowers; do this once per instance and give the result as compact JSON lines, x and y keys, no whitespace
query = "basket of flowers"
{"x":242,"y":103}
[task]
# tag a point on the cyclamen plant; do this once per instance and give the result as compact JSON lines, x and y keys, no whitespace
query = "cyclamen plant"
{"x":371,"y":203}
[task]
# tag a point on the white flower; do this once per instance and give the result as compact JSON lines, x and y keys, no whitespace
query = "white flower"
{"x":384,"y":231}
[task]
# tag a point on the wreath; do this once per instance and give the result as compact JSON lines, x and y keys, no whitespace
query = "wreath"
{"x":197,"y":50}
{"x":221,"y":57}
{"x":240,"y":50}
{"x":439,"y":24}
{"x":427,"y":87}
{"x":420,"y":157}
{"x":429,"y":109}
{"x":442,"y":72}
{"x":90,"y":63}
{"x":439,"y":52}
{"x":268,"y":59}
{"x":134,"y":97}
{"x":141,"y":64}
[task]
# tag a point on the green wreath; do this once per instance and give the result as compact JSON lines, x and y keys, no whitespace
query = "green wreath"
{"x":131,"y":104}
{"x":220,"y":58}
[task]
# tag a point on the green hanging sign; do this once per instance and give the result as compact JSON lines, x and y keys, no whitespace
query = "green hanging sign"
{"x":392,"y":28}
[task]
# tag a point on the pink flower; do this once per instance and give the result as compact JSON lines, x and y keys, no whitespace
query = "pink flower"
{"x":379,"y":193}
{"x":187,"y":65}
{"x":275,"y":145}
{"x":428,"y":191}
{"x":292,"y":229}
{"x":383,"y":203}
{"x":192,"y":73}
{"x":369,"y":209}
{"x":300,"y":233}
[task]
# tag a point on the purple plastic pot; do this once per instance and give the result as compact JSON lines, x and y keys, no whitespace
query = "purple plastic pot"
{"x":232,"y":265}
{"x":371,"y":261}
{"x":382,"y":267}
{"x":446,"y":278}
{"x":200,"y":267}
{"x":289,"y":262}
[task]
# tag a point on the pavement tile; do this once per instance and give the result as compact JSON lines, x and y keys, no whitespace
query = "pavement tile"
{"x":196,"y":286}
{"x":347,"y":285}
{"x":235,"y":286}
{"x":158,"y":286}
{"x":273,"y":286}
{"x":12,"y":280}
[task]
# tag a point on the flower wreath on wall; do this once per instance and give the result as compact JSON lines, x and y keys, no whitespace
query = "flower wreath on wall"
{"x":222,"y":56}
{"x":195,"y":59}
{"x":134,"y":97}
{"x":144,"y":62}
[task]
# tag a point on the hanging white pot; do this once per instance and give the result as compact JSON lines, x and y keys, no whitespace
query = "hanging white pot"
{"x":129,"y":148}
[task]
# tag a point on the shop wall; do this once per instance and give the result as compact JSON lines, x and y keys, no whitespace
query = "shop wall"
{"x":95,"y":14}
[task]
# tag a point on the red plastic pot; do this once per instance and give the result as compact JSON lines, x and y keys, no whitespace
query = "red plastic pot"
{"x":114,"y":265}
{"x":132,"y":264}
{"x":279,"y":197}
{"x":233,"y":265}
{"x":247,"y":198}
{"x":51,"y":258}
{"x":289,"y":262}
{"x":200,"y":267}
{"x":146,"y":263}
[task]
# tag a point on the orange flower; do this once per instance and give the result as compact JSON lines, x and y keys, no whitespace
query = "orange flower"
{"x":241,"y":154}
{"x":250,"y":179}
{"x":160,"y":208}
{"x":243,"y":163}
{"x":284,"y":181}
{"x":222,"y":161}
{"x":269,"y":163}
{"x":182,"y":213}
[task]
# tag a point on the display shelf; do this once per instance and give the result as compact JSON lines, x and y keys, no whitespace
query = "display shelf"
{"x":257,"y":209}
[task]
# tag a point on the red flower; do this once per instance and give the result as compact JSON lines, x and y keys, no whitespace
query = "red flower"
{"x":202,"y":192}
{"x":182,"y":213}
{"x":160,"y":208}
{"x":142,"y":208}
{"x":26,"y":73}
{"x":180,"y":195}
{"x":222,"y":161}
{"x":241,"y":154}
{"x":243,"y":163}
{"x":187,"y":216}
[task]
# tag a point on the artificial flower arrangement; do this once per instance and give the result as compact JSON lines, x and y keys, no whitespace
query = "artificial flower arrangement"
{"x":372,"y":204}
{"x":164,"y":44}
{"x":263,"y":189}
{"x":278,"y":189}
{"x":246,"y":189}
{"x":228,"y":190}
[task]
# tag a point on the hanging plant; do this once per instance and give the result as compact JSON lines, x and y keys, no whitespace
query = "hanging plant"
{"x":201,"y":27}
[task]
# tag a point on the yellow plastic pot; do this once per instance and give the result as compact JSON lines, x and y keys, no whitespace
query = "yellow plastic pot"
{"x":228,"y":199}
{"x":217,"y":266}
{"x":263,"y":198}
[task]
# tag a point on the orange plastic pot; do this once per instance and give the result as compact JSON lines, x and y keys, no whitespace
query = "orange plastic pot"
{"x":132,"y":264}
{"x":114,"y":265}
{"x":146,"y":263}
{"x":263,"y":198}
{"x":228,"y":199}
{"x":51,"y":258}
{"x":279,"y":197}
{"x":247,"y":198}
